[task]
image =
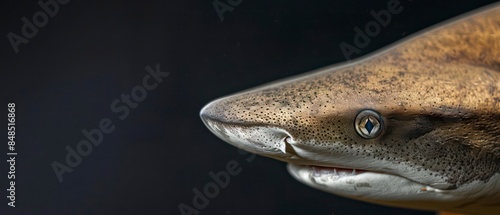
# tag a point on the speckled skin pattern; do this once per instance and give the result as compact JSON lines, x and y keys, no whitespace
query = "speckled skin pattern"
{"x":438,"y":94}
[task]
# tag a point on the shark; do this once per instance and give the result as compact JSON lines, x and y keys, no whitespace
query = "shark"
{"x":414,"y":125}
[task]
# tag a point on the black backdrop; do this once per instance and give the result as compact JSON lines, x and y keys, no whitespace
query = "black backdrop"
{"x":64,"y":79}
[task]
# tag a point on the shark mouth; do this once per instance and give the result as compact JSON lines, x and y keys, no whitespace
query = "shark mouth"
{"x":320,"y":171}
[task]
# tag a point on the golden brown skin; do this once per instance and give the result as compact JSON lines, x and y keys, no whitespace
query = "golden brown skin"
{"x":439,"y":94}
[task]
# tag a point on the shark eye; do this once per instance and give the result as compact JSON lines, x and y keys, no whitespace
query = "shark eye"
{"x":368,"y":124}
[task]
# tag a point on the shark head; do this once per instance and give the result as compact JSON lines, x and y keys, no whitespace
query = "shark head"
{"x":396,"y":128}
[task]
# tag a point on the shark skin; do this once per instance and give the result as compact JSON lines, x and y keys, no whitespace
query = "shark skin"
{"x":436,"y":102}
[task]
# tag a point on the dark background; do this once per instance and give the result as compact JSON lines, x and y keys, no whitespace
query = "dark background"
{"x":65,"y":78}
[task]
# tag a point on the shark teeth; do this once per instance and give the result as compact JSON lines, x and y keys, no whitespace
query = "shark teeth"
{"x":331,"y":172}
{"x":431,"y":189}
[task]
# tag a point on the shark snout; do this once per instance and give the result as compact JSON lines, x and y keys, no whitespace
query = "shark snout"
{"x":260,"y":138}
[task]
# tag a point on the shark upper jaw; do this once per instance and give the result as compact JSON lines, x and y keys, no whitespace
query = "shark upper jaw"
{"x":240,"y":134}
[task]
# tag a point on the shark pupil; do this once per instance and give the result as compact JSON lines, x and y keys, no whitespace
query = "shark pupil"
{"x":369,"y":126}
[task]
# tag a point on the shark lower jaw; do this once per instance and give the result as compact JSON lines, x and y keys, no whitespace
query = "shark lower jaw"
{"x":397,"y":191}
{"x":341,"y":177}
{"x":362,"y":184}
{"x":365,"y":184}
